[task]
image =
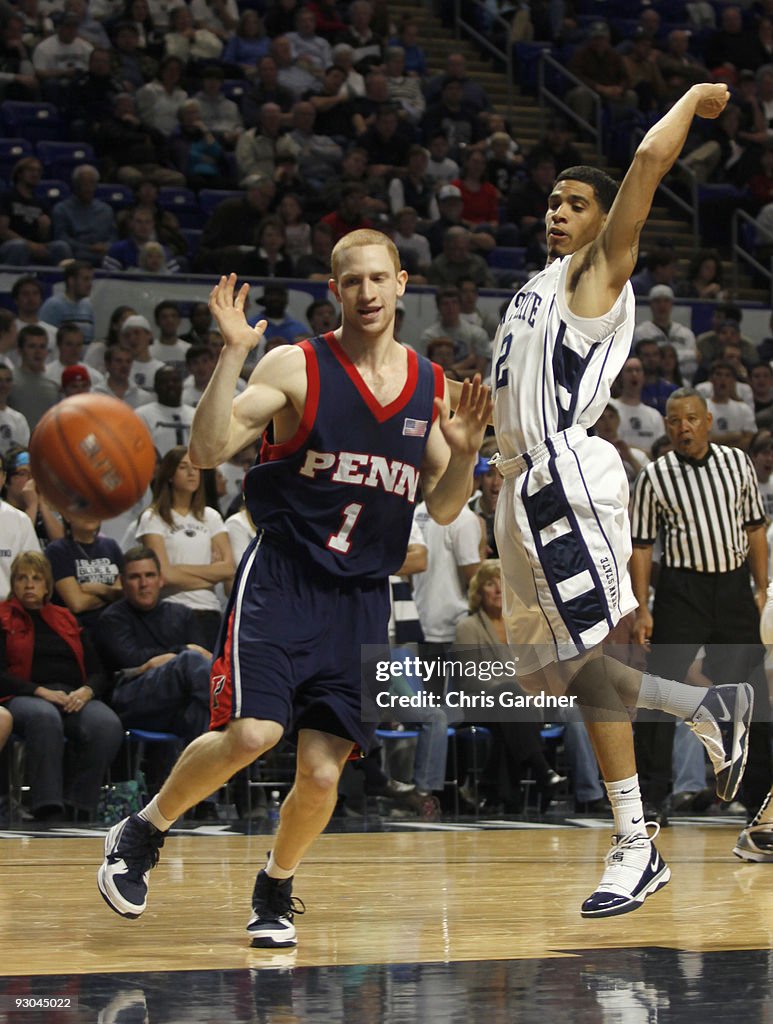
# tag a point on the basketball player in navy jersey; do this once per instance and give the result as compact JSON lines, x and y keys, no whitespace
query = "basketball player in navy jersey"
{"x":359,"y":421}
{"x":561,"y":521}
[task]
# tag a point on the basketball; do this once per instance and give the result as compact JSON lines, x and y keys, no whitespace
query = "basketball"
{"x":92,"y":455}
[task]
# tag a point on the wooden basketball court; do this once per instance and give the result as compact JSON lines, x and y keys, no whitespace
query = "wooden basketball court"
{"x":407,"y":917}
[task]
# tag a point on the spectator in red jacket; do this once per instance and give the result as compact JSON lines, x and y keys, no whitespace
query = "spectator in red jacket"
{"x":50,"y":679}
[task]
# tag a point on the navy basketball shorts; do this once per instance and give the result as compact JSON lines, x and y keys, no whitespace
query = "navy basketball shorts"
{"x":290,"y":647}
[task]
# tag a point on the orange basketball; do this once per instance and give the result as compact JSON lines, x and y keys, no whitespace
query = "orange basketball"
{"x":92,"y":455}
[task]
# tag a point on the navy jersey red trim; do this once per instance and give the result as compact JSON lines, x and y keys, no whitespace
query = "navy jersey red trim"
{"x":341,"y":490}
{"x":440,"y":387}
{"x":381,"y":412}
{"x":268,"y":451}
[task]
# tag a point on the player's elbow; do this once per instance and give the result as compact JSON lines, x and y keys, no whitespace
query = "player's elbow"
{"x":203,"y":457}
{"x":441,"y":512}
{"x":653,"y":158}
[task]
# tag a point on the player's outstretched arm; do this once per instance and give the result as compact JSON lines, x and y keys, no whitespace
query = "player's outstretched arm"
{"x":452,"y":450}
{"x":223,"y":425}
{"x":615,"y":251}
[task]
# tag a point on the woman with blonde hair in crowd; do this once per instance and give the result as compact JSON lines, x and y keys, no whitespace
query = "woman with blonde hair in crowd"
{"x":190,"y":540}
{"x":517,"y":744}
{"x":43,"y":639}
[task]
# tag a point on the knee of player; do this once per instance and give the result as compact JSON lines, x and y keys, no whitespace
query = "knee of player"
{"x":533,"y":683}
{"x":320,"y":777}
{"x":251,"y":737}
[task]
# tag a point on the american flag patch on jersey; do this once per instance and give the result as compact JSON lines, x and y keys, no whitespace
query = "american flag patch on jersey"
{"x":414,"y":428}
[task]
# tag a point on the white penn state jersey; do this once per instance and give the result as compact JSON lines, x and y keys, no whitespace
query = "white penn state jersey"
{"x":551,"y":369}
{"x":561,"y":518}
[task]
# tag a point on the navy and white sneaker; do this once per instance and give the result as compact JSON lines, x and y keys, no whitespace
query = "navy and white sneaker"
{"x":634,"y":870}
{"x":132,"y":848}
{"x":273,"y":909}
{"x":755,"y":844}
{"x":721,"y":723}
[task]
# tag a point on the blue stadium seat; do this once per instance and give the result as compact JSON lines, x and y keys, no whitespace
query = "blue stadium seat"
{"x":211,"y":198}
{"x":32,"y":121}
{"x":53,"y":190}
{"x":182,"y":203}
{"x":507,"y":257}
{"x":115,"y":195}
{"x":60,"y":158}
{"x":234,"y":89}
{"x":12,"y":150}
{"x":192,"y":238}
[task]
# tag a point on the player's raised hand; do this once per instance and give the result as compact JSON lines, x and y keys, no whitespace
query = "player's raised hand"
{"x":227,"y":307}
{"x":712,"y":99}
{"x":465,"y":429}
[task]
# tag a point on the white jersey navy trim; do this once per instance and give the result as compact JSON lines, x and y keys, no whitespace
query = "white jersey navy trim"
{"x":561,"y":522}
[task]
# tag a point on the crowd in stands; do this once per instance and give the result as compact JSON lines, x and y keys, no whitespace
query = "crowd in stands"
{"x":212,"y":137}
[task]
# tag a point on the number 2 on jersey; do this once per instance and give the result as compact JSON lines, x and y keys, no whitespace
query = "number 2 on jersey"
{"x":340,"y":541}
{"x":502,"y":372}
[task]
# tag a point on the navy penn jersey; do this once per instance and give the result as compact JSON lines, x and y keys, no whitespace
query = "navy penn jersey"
{"x":342,"y":490}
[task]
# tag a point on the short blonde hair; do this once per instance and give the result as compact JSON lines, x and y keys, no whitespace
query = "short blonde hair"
{"x":355,"y":239}
{"x":37,"y":562}
{"x":489,"y":570}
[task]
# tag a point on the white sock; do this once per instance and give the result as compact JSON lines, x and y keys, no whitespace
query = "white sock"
{"x":152,"y":814}
{"x":677,"y":699}
{"x":273,"y":870}
{"x":764,"y":815}
{"x":625,"y":797}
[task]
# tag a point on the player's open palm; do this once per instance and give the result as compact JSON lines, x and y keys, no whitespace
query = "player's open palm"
{"x":465,"y":429}
{"x":227,"y":306}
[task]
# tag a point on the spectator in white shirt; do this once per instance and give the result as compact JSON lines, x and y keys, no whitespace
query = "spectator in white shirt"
{"x":159,"y":101}
{"x":169,"y":347}
{"x":732,"y":421}
{"x":440,"y":593}
{"x":190,"y":540}
{"x":219,"y":16}
{"x":118,"y":383}
{"x":761,"y":454}
{"x":663,"y":328}
{"x":640,"y":424}
{"x":167,"y":419}
{"x":60,"y":58}
{"x":137,"y":336}
{"x":14,"y":429}
{"x":200,"y":362}
{"x":27,"y":294}
{"x":9,"y":348}
{"x":219,"y":114}
{"x":69,"y":344}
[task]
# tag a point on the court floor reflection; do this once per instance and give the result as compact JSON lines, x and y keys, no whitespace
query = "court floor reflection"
{"x":611,"y":986}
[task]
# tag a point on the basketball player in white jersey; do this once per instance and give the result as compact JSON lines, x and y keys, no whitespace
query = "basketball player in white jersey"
{"x":561,"y":521}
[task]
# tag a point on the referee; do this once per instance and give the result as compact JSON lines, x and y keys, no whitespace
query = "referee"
{"x":706,"y":501}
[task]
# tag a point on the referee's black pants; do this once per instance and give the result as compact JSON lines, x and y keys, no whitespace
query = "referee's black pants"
{"x":715,"y":611}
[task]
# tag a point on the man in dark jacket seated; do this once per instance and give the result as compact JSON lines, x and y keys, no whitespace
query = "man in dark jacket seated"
{"x":162,"y":674}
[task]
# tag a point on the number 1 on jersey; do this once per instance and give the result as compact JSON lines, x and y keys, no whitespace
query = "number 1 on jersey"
{"x":340,"y":541}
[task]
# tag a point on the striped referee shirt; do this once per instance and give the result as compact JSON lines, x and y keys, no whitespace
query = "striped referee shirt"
{"x":702,"y":506}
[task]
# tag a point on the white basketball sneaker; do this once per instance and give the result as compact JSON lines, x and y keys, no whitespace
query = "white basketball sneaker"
{"x":634,"y":870}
